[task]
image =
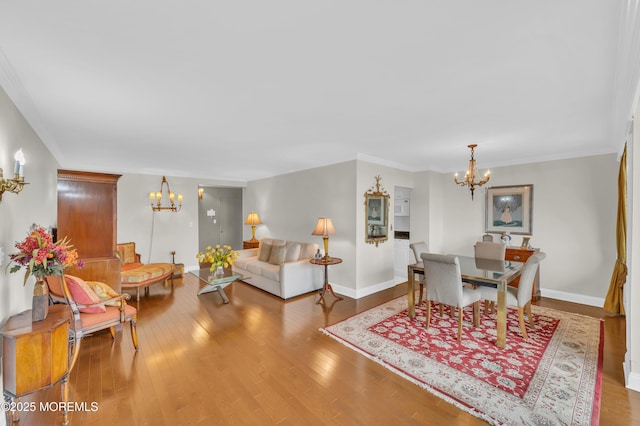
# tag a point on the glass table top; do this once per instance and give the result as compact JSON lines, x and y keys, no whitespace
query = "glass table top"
{"x":210,"y":278}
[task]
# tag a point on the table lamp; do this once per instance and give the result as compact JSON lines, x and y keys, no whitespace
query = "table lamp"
{"x":325,"y":228}
{"x":253,"y":219}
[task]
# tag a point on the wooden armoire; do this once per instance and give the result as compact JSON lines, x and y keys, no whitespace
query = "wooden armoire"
{"x":87,"y":211}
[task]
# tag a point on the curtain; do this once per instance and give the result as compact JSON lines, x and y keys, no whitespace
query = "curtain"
{"x":613,"y":301}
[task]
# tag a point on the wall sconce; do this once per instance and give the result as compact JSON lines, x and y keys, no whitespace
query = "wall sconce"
{"x":156,"y":198}
{"x":253,"y":219}
{"x":16,"y":184}
{"x":470,"y":175}
{"x":200,"y":192}
{"x":324,"y":227}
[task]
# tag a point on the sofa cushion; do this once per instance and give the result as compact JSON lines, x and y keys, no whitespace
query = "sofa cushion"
{"x":277,"y":255}
{"x":130,"y":266}
{"x":145,"y":272}
{"x":82,"y":294}
{"x":127,"y":252}
{"x":265,"y":251}
{"x":104,"y":292}
{"x":254,"y":266}
{"x":307,"y":250}
{"x":293,"y":252}
{"x":270,"y":272}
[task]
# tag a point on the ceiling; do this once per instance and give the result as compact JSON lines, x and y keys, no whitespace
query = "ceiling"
{"x":243,"y":90}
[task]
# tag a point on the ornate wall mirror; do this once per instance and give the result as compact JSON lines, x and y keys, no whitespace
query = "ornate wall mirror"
{"x":376,"y":208}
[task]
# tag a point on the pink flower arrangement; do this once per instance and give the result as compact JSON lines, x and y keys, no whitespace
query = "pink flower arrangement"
{"x":42,"y":257}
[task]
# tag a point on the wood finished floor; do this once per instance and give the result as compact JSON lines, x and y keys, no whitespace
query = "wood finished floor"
{"x":259,"y":360}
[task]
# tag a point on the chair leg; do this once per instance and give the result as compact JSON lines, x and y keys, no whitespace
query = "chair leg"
{"x":527,"y":308}
{"x":112,"y":330}
{"x":476,"y":314}
{"x":75,"y":353}
{"x":134,"y":333}
{"x":428,"y":302}
{"x":420,"y":294}
{"x":441,"y":310}
{"x":459,"y":323}
{"x":521,"y":321}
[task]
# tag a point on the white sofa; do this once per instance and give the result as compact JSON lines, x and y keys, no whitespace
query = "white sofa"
{"x":280,"y":267}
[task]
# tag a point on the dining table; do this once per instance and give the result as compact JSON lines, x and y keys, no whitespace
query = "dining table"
{"x":476,"y":271}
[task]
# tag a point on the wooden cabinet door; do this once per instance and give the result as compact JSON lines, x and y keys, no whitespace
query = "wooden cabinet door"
{"x":521,"y":255}
{"x":87,"y":211}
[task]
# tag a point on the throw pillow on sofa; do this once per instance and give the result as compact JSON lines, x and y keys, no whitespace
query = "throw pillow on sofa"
{"x":265,"y":252}
{"x":277,"y":255}
{"x":82,"y":294}
{"x":104,"y":292}
{"x":293,"y":252}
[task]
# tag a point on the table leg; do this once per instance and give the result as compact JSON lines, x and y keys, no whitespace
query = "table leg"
{"x":411,"y":292}
{"x":208,"y":288}
{"x":501,"y":322}
{"x":65,"y":398}
{"x":327,"y":286}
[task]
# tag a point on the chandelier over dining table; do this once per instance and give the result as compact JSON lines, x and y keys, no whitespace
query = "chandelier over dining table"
{"x":471,"y":173}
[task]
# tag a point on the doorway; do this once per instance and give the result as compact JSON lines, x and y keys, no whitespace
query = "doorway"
{"x":220,"y":217}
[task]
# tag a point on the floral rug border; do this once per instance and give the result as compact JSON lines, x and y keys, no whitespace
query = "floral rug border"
{"x":493,"y":405}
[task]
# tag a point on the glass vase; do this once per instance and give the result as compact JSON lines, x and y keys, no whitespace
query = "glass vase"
{"x":219,"y":272}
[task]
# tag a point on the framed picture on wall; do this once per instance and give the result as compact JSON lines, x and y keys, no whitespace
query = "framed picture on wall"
{"x":509,"y":209}
{"x":376,"y":206}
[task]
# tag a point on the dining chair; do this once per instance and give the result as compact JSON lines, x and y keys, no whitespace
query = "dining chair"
{"x":418,"y":248}
{"x":444,"y":285}
{"x":520,"y":296}
{"x":489,"y":250}
{"x":87,"y":318}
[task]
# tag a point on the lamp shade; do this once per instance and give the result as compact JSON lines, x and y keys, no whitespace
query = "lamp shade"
{"x":253,"y":219}
{"x":324,"y":227}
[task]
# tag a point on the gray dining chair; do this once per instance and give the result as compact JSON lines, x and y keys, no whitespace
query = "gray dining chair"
{"x":521,"y":296}
{"x":444,"y":285}
{"x":418,"y":248}
{"x":489,"y":250}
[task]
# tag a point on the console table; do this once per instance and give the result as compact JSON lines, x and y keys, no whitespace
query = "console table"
{"x":519,"y":254}
{"x":35,"y":356}
{"x":249,"y":244}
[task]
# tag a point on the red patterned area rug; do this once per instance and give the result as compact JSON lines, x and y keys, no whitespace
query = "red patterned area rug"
{"x":553,"y":378}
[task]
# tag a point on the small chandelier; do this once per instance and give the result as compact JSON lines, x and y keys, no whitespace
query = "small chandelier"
{"x":470,"y":175}
{"x":156,"y":198}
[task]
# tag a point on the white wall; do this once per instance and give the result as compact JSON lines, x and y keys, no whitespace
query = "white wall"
{"x":37,"y":203}
{"x":375,"y":265}
{"x":172,"y":231}
{"x":574,"y":214}
{"x":631,"y":293}
{"x":289,"y":207}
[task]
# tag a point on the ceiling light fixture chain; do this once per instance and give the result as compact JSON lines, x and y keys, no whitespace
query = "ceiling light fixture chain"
{"x":471,"y":173}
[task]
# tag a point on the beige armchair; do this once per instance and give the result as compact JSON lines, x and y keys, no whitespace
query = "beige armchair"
{"x":89,"y":318}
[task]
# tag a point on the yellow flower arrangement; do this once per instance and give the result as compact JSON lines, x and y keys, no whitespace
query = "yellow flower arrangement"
{"x":218,"y":256}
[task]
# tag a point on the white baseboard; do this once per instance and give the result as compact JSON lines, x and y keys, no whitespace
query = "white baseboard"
{"x":359,"y":293}
{"x":633,"y":382}
{"x":572,"y":297}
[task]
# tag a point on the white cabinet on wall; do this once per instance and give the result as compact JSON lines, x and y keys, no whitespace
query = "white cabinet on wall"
{"x":402,"y":258}
{"x":401,"y":207}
